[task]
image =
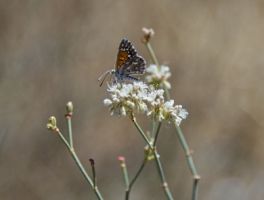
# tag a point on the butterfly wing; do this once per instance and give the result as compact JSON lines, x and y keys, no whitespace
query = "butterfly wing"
{"x":128,"y":61}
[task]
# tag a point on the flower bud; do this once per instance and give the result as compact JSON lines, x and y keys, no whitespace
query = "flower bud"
{"x":167,"y":84}
{"x":69,"y":107}
{"x":52,"y":124}
{"x":130,"y":104}
{"x":148,"y":34}
{"x":123,"y":111}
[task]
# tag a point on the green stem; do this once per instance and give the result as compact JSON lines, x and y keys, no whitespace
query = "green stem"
{"x":190,"y":161}
{"x":93,"y":171}
{"x":152,"y":54}
{"x":195,"y":188}
{"x":125,"y":174}
{"x":64,"y":140}
{"x":138,"y":172}
{"x":154,"y":124}
{"x":141,"y":132}
{"x":162,"y":175}
{"x":182,"y":139}
{"x":80,"y":166}
{"x":157,"y":134}
{"x":70,"y":130}
{"x":167,"y":93}
{"x":143,"y":164}
{"x":157,"y":159}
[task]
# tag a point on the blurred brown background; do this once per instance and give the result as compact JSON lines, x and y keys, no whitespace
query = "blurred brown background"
{"x":53,"y":51}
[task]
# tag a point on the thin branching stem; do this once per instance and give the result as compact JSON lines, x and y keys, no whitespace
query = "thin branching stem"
{"x":167,"y":93}
{"x":93,"y":171}
{"x":143,"y":164}
{"x":190,"y":162}
{"x":182,"y":139}
{"x":63,"y":139}
{"x":157,"y":134}
{"x":138,"y":172}
{"x":141,"y":132}
{"x":195,"y":188}
{"x":153,"y":131}
{"x":69,"y":130}
{"x":125,"y":174}
{"x":162,"y":175}
{"x":80,"y":166}
{"x":152,"y":54}
{"x":157,"y":159}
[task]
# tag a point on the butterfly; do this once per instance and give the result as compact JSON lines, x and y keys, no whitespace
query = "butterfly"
{"x":128,"y":63}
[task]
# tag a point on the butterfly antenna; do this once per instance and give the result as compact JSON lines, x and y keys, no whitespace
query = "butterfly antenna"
{"x":111,"y":77}
{"x":103,"y":76}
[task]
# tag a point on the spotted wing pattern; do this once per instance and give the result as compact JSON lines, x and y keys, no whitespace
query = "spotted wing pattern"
{"x":128,"y":61}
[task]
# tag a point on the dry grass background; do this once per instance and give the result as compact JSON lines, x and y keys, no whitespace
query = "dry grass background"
{"x":53,"y":51}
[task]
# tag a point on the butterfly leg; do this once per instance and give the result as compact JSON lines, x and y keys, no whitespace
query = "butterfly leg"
{"x":131,"y":78}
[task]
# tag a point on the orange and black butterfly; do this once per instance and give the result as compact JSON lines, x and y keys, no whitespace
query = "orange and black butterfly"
{"x":128,"y":63}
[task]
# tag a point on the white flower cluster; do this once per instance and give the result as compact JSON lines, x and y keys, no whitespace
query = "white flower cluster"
{"x":139,"y":97}
{"x":158,"y":76}
{"x":127,"y":98}
{"x":161,"y":110}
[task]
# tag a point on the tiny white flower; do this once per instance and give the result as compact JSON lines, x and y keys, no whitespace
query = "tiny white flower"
{"x":140,"y":85}
{"x":154,"y":95}
{"x":158,"y":76}
{"x":143,"y":107}
{"x":107,"y":102}
{"x":181,"y":114}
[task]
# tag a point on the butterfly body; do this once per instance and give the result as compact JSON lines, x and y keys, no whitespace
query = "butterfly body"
{"x":128,"y":63}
